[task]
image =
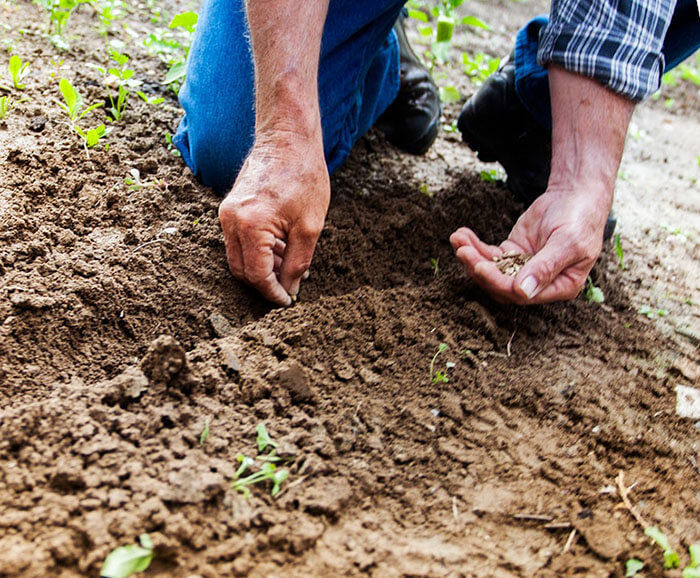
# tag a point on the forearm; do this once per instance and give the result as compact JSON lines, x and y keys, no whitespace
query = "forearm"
{"x":286,"y":43}
{"x":589,"y":124}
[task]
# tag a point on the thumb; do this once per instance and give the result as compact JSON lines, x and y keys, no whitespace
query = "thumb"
{"x":544,"y":267}
{"x":297,"y":256}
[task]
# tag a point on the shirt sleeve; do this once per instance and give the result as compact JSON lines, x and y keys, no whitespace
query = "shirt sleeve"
{"x":616,"y":42}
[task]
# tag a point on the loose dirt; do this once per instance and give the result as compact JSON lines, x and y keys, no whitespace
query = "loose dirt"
{"x":122,"y":334}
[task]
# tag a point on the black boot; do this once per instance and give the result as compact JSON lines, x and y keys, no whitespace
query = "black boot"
{"x":412,"y":121}
{"x":496,"y":125}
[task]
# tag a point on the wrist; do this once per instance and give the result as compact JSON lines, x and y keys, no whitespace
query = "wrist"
{"x":288,"y":106}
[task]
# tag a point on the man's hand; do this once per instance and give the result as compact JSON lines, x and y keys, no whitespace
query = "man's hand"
{"x":563,"y":232}
{"x":275,"y":211}
{"x":563,"y":229}
{"x":274,"y":214}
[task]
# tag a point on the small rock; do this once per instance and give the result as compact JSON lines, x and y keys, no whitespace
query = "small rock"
{"x":344,"y":371}
{"x":369,"y":377}
{"x":451,"y":406}
{"x":128,"y":385}
{"x":220,"y":325}
{"x":292,"y":377}
{"x":37,"y":124}
{"x":687,"y":402}
{"x":31,"y":301}
{"x":229,"y":359}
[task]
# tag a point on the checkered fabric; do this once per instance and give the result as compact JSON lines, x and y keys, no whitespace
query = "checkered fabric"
{"x":616,"y":42}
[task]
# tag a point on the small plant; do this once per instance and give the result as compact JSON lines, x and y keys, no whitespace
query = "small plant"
{"x":123,"y":78}
{"x":671,"y":559}
{"x":172,"y":149}
{"x":449,"y":94}
{"x":439,"y":376}
{"x":18,"y":72}
{"x":436,"y":266}
{"x":593,"y":294}
{"x":479,"y":67}
{"x":651,"y":313}
{"x":7,"y":103}
{"x":619,"y":252}
{"x":268,"y":472}
{"x":73,"y":107}
{"x":204,"y":436}
{"x":492,"y":175}
{"x":125,"y":561}
{"x":692,"y":570}
{"x":632,"y":566}
{"x":59,"y":12}
{"x":152,"y":100}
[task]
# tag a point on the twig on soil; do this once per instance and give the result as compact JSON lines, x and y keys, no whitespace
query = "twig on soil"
{"x":557,"y":526}
{"x":510,"y":341}
{"x":291,"y":485}
{"x":570,"y":541}
{"x":624,"y":495}
{"x":533,"y":517}
{"x":455,"y":511}
{"x":147,"y":243}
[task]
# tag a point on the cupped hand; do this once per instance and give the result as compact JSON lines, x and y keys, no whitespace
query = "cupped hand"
{"x":562,"y":230}
{"x":274,"y":214}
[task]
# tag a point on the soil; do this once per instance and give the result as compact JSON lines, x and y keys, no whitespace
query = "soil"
{"x":122,"y":335}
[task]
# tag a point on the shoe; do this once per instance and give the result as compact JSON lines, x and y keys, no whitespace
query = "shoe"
{"x":496,"y":125}
{"x":412,"y":121}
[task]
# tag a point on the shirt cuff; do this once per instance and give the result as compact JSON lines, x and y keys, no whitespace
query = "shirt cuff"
{"x":616,"y":59}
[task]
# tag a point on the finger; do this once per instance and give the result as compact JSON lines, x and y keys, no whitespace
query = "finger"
{"x":544,"y":267}
{"x":258,"y":265}
{"x":566,"y":286}
{"x":280,"y":247}
{"x":278,"y":264}
{"x":297,"y":258}
{"x":466,"y":236}
{"x":234,"y":255}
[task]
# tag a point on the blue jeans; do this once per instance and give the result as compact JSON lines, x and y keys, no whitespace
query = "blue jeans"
{"x":358,"y":79}
{"x":531,"y":81}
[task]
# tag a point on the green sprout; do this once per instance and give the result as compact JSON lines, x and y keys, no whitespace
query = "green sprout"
{"x":436,"y":267}
{"x":7,"y":103}
{"x":492,"y":176}
{"x":267,"y":472}
{"x":59,"y":12}
{"x":618,"y":251}
{"x":124,"y":79}
{"x":632,"y":567}
{"x":204,"y":436}
{"x":479,"y":67}
{"x":125,"y":561}
{"x":692,"y":570}
{"x":437,"y":376}
{"x":671,"y":559}
{"x":593,"y":294}
{"x":18,"y":71}
{"x":651,"y":313}
{"x":73,"y":102}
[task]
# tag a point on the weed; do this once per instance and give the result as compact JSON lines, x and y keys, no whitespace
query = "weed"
{"x":632,"y":566}
{"x":671,"y":559}
{"x":439,"y":376}
{"x":619,"y":252}
{"x":593,"y":294}
{"x":59,"y":12}
{"x":479,"y":67}
{"x":204,"y":436}
{"x":7,"y":103}
{"x":651,"y":313}
{"x":125,"y":561}
{"x":268,"y":472}
{"x":18,"y":71}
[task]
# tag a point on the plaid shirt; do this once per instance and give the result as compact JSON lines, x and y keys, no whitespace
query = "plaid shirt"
{"x":616,"y":42}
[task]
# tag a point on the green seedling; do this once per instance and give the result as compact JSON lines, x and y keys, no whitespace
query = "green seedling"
{"x":186,"y":22}
{"x":479,"y":67}
{"x":152,"y":100}
{"x":436,"y":267}
{"x":632,"y":567}
{"x":268,"y":472}
{"x":7,"y":104}
{"x":593,"y":294}
{"x":73,"y":102}
{"x":692,"y":570}
{"x":92,"y":136}
{"x":59,"y":12}
{"x":121,"y":76}
{"x":671,"y":559}
{"x":619,"y":252}
{"x":651,"y":313}
{"x":18,"y":71}
{"x":126,"y":561}
{"x":437,"y":376}
{"x":204,"y":436}
{"x":172,"y":149}
{"x":491,"y":176}
{"x":449,"y":94}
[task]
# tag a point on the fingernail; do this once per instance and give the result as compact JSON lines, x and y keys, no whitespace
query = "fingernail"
{"x":305,"y":276}
{"x":294,"y":289}
{"x":529,"y":286}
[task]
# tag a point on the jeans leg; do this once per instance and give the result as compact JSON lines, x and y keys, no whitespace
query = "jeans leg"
{"x":531,"y":80}
{"x":358,"y":79}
